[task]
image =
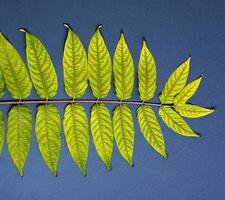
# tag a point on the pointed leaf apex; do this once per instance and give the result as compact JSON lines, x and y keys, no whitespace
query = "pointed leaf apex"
{"x":21,"y":173}
{"x":99,"y":26}
{"x":144,"y":42}
{"x":66,"y":25}
{"x":84,"y":174}
{"x":23,"y":30}
{"x":122,"y":35}
{"x":55,"y":174}
{"x":131,"y":162}
{"x":109,"y":167}
{"x":165,"y":155}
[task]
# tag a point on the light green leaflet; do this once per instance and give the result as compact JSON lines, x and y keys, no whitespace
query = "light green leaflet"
{"x":74,"y":65}
{"x":14,"y":71}
{"x":150,"y":128}
{"x":102,"y":132}
{"x":99,"y":65}
{"x":187,"y":92}
{"x":174,"y":121}
{"x":175,"y":83}
{"x":123,"y":128}
{"x":76,"y":133}
{"x":123,"y":67}
{"x":146,"y":74}
{"x":2,"y":126}
{"x":48,"y":134}
{"x":193,"y":111}
{"x":41,"y":67}
{"x":2,"y":84}
{"x":19,"y":130}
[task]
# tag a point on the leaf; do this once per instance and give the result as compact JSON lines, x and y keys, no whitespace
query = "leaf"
{"x":146,"y":74}
{"x":123,"y":67}
{"x":174,"y":121}
{"x":2,"y":84}
{"x":188,"y":91}
{"x":102,"y":132}
{"x":48,"y":134}
{"x":19,"y":130}
{"x":123,"y":128}
{"x":76,"y":134}
{"x":14,"y":71}
{"x":99,"y":65}
{"x":193,"y":111}
{"x":2,"y":127}
{"x":175,"y":83}
{"x":150,"y":129}
{"x":41,"y":67}
{"x":74,"y":65}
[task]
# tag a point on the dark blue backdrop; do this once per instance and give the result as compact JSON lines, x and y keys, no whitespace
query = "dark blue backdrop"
{"x":195,"y":167}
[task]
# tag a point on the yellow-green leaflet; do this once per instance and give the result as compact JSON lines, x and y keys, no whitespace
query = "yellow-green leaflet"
{"x":123,"y":67}
{"x":19,"y":130}
{"x":187,"y":92}
{"x":150,"y":129}
{"x":175,"y":83}
{"x":74,"y":65}
{"x":2,"y":137}
{"x":146,"y":74}
{"x":2,"y":83}
{"x":48,"y":134}
{"x":174,"y":121}
{"x":102,"y":132}
{"x":14,"y":71}
{"x":41,"y":67}
{"x":193,"y":111}
{"x":76,"y":133}
{"x":99,"y":65}
{"x":123,"y":128}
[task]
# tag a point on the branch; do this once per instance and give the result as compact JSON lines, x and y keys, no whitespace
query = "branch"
{"x":40,"y":101}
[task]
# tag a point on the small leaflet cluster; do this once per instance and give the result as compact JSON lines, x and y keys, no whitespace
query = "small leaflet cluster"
{"x":95,"y":67}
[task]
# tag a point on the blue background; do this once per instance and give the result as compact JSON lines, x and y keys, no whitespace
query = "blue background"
{"x":195,"y":167}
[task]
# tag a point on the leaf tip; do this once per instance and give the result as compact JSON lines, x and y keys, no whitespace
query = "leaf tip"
{"x":198,"y":135}
{"x":66,"y":25}
{"x":23,"y":30}
{"x":132,"y":164}
{"x":99,"y":26}
{"x":21,"y":174}
{"x":144,"y":41}
{"x":165,"y":154}
{"x":109,"y":167}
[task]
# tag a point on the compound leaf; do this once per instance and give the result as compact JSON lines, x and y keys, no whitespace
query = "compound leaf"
{"x":146,"y":73}
{"x":123,"y":67}
{"x":187,"y":92}
{"x":193,"y":111}
{"x":41,"y":67}
{"x":150,"y":129}
{"x":48,"y":134}
{"x":175,"y":83}
{"x":74,"y":65}
{"x":2,"y":83}
{"x":123,"y":128}
{"x":174,"y":121}
{"x":19,"y":130}
{"x":14,"y":71}
{"x":99,"y":65}
{"x":102,"y":132}
{"x":2,"y":127}
{"x":76,"y":134}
